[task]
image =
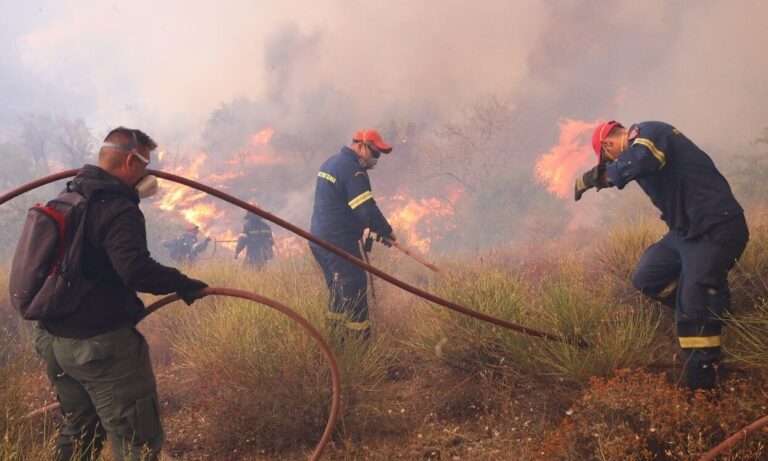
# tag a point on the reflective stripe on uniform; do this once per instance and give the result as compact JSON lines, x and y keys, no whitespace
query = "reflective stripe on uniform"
{"x":336,"y":315}
{"x":360,"y":199}
{"x":693,"y":342}
{"x":668,"y":290}
{"x":324,"y":175}
{"x":358,"y":325}
{"x":655,"y":151}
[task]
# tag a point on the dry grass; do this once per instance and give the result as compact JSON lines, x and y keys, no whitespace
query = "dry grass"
{"x":239,"y":381}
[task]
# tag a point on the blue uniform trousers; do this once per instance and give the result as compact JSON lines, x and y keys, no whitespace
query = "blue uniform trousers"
{"x":691,"y":276}
{"x":347,"y":285}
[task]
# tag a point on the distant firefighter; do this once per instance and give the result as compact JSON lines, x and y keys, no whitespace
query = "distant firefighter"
{"x":185,"y":248}
{"x":256,"y":240}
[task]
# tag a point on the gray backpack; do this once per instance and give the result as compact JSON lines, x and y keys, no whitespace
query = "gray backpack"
{"x":47,"y":281}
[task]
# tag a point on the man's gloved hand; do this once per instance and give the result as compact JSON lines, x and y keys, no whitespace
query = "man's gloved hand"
{"x":386,"y":239}
{"x":368,"y":244}
{"x":193,"y":293}
{"x":591,"y":178}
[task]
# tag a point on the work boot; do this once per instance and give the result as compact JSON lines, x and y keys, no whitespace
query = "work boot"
{"x":701,"y":375}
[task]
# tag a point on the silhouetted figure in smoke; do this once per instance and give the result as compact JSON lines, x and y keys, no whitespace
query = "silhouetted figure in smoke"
{"x":185,"y":249}
{"x":344,"y":207}
{"x":256,"y":240}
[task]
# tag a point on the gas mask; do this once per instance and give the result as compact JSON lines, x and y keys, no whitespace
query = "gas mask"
{"x":147,"y":186}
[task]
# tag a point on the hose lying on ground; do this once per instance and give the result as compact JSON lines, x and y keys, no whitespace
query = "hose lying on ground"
{"x":318,"y":241}
{"x":335,"y":376}
{"x":728,"y":443}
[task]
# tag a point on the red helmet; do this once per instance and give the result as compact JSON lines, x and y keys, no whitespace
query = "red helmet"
{"x":601,"y":132}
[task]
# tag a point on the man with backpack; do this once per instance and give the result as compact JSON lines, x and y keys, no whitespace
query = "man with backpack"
{"x":96,"y":359}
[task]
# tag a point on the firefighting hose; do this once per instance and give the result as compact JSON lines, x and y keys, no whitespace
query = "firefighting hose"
{"x":322,"y":243}
{"x":326,"y":350}
{"x":721,"y":448}
{"x":728,"y":443}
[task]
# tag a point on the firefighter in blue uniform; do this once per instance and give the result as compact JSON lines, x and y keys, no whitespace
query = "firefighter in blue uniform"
{"x":344,"y":207}
{"x":256,"y":240}
{"x":185,"y":248}
{"x":687,"y":269}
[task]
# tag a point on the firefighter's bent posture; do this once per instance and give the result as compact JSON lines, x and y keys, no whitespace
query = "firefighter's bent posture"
{"x":256,"y":240}
{"x":687,"y":270}
{"x":344,"y":207}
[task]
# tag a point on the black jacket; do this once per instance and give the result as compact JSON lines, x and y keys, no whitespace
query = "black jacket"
{"x":680,"y":179}
{"x":344,"y":204}
{"x":115,"y":259}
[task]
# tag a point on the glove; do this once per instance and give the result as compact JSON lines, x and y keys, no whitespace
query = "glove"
{"x":368,"y":245}
{"x":386,"y":239}
{"x":591,"y":178}
{"x":193,"y":293}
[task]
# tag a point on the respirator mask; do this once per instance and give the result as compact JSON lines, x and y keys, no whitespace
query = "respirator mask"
{"x":371,"y":161}
{"x":146,"y":186}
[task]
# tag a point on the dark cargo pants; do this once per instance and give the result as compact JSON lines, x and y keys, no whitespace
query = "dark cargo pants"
{"x":691,"y":276}
{"x":347,"y":285}
{"x":106,"y":386}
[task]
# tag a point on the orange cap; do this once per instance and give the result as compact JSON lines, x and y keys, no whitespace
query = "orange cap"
{"x":374,"y":137}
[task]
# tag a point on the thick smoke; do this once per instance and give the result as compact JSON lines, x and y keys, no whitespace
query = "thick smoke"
{"x":204,"y":77}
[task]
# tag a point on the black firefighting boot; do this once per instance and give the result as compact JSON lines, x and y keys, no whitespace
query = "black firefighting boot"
{"x":701,"y":368}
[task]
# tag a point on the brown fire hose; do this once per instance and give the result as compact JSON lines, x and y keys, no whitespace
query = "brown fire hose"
{"x":728,"y":443}
{"x":319,"y":242}
{"x":304,"y":323}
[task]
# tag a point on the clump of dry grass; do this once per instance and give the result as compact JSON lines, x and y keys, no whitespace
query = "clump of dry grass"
{"x":568,"y":304}
{"x":260,"y":379}
{"x":638,"y":416}
{"x":20,"y":439}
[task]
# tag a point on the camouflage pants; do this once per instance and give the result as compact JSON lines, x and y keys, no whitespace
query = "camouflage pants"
{"x":106,"y":386}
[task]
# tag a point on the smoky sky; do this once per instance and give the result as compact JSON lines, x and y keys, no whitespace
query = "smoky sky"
{"x":339,"y":65}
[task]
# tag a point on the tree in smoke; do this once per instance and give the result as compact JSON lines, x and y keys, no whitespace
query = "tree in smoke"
{"x":17,"y":166}
{"x":749,"y":177}
{"x":60,"y":138}
{"x":475,"y":147}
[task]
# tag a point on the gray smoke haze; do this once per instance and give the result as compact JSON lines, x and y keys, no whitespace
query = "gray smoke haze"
{"x":169,"y":65}
{"x":318,"y":71}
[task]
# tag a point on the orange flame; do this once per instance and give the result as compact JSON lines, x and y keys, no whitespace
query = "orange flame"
{"x":185,"y":201}
{"x":254,"y":154}
{"x":558,"y":168}
{"x":263,"y":136}
{"x":416,"y":222}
